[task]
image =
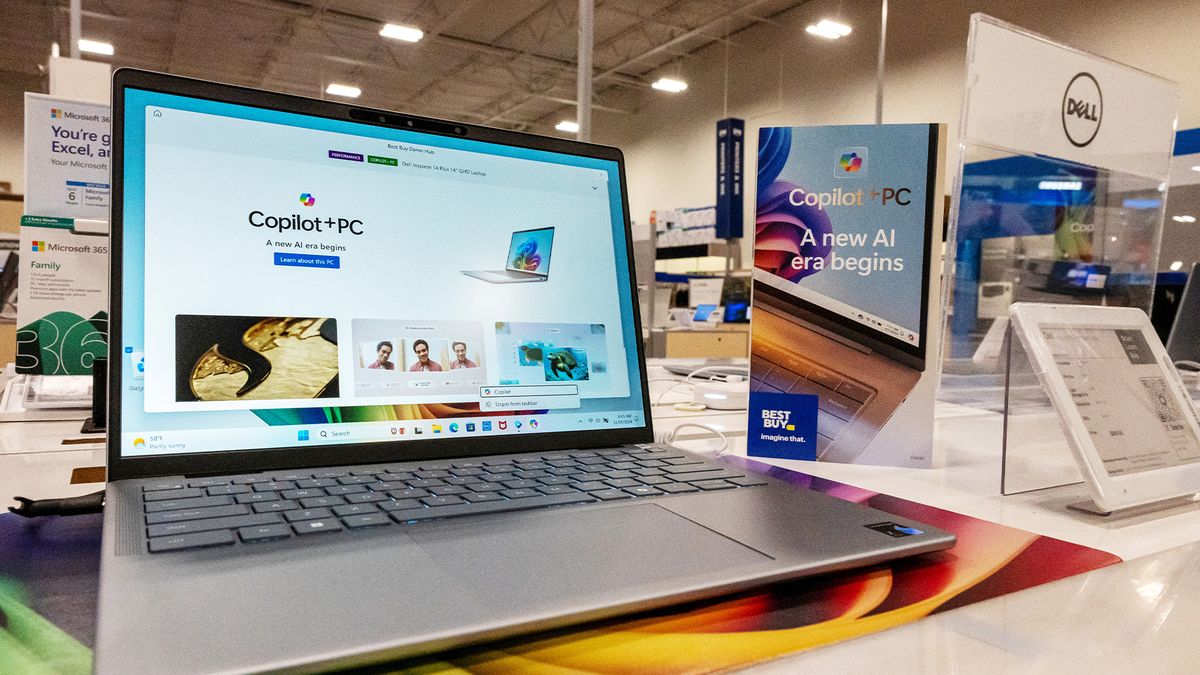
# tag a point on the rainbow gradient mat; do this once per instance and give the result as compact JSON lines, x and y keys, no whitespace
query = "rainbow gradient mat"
{"x":48,"y":577}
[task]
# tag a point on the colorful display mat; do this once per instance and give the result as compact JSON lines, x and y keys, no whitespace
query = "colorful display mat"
{"x":49,"y":572}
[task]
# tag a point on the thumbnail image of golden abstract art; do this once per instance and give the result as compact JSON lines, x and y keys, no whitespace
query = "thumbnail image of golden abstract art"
{"x":302,"y":363}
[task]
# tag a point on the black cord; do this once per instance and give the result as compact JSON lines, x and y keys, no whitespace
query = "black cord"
{"x":69,"y":506}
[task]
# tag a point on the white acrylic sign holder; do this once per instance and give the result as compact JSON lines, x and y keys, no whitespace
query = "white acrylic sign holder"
{"x":1064,"y":158}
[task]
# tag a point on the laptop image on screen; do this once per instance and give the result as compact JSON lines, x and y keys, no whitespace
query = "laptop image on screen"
{"x":370,"y":456}
{"x":1183,"y":343}
{"x":528,"y":259}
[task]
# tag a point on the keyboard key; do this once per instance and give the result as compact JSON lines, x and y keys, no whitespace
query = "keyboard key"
{"x":163,"y":495}
{"x":487,"y":486}
{"x":163,"y":485}
{"x":714,"y":485}
{"x":468,"y":464}
{"x":275,"y":507}
{"x":619,"y":474}
{"x":264,"y":532}
{"x":435,"y":466}
{"x":443,"y":490}
{"x":556,"y":489}
{"x":432,"y":474}
{"x":588,"y":486}
{"x":654,"y":480}
{"x":489,"y":507}
{"x":704,"y":475}
{"x":520,"y":493}
{"x":556,"y":480}
{"x":398,"y":504}
{"x":746,"y":481}
{"x":651,"y":463}
{"x":411,"y":493}
{"x":303,"y":493}
{"x":482,"y":497}
{"x":294,"y":476}
{"x":208,"y":482}
{"x":422,"y":483}
{"x":649,"y":472}
{"x":318,"y":502}
{"x":366,"y":520}
{"x":855,"y":391}
{"x":609,"y":495}
{"x":384,"y":486}
{"x":624,"y":466}
{"x":680,"y":461}
{"x":257,"y":497}
{"x":315,"y":526}
{"x":193,"y":503}
{"x":366,"y":498}
{"x":643,"y":491}
{"x":367,"y":471}
{"x":315,"y":483}
{"x":520,"y":484}
{"x":249,"y":480}
{"x":228,"y":490}
{"x":355,"y":480}
{"x":467,"y":471}
{"x":331,"y":473}
{"x":209,"y":524}
{"x":441,"y":501}
{"x":195,"y":514}
{"x":395,"y":477}
{"x":533,"y":475}
{"x":676,"y":488}
{"x":198,"y":540}
{"x":354,"y":509}
{"x":306,"y":514}
{"x":345,"y":489}
{"x":274,"y":485}
{"x":622,"y":483}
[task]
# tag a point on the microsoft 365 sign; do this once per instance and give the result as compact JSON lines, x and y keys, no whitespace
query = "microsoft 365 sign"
{"x":1082,"y":109}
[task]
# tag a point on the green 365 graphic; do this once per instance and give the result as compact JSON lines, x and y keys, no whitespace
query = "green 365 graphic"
{"x":62,"y":343}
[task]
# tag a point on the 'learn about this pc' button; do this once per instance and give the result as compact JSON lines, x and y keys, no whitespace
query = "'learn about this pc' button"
{"x":329,"y":262}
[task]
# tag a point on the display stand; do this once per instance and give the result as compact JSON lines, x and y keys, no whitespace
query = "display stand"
{"x":1061,"y":192}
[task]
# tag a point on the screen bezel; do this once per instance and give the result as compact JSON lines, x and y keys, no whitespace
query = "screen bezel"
{"x":549,"y":257}
{"x":266,"y":459}
{"x":911,"y":355}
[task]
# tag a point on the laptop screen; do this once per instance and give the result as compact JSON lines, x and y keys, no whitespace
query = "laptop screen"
{"x":529,"y":251}
{"x":286,"y":281}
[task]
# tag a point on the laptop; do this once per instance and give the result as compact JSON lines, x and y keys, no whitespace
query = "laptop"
{"x":528,"y":259}
{"x":295,"y":520}
{"x":1183,"y":344}
{"x":856,"y":342}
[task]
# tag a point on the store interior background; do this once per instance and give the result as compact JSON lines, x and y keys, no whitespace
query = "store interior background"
{"x":512,"y":64}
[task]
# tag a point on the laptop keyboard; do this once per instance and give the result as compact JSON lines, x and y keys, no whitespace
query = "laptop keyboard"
{"x":227,"y":510}
{"x":839,"y":398}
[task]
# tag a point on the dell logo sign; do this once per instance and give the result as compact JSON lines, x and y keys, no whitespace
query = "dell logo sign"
{"x":1082,"y":109}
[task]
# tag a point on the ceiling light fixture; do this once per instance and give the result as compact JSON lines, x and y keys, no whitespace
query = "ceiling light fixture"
{"x":1177,"y":265}
{"x":830,"y":30}
{"x":1060,"y":185}
{"x":96,"y":47}
{"x":668,"y":84}
{"x":402,"y":33}
{"x":1184,"y":219}
{"x":568,"y":126}
{"x":343,"y":90}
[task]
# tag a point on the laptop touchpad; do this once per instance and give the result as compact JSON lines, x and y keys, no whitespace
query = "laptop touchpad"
{"x":550,"y":556}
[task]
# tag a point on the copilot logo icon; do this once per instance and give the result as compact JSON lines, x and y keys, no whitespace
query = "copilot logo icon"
{"x":1082,"y":109}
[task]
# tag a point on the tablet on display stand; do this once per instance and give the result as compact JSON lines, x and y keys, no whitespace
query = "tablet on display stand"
{"x":1127,"y":416}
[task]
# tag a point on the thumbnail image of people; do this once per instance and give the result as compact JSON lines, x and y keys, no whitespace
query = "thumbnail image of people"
{"x":383,"y":357}
{"x":423,"y":362}
{"x":460,"y":356}
{"x":236,"y":358}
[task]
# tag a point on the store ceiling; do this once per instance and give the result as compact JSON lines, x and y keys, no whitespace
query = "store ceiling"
{"x":505,"y":63}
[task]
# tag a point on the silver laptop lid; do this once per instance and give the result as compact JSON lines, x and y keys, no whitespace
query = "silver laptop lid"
{"x":286,"y":293}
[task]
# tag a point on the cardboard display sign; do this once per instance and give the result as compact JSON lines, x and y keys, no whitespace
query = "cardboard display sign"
{"x":845,"y":295}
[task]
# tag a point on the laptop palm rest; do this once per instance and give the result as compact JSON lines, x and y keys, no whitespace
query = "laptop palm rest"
{"x":591,"y":552}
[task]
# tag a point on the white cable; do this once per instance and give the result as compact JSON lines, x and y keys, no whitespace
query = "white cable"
{"x":722,"y":377}
{"x":668,"y":437}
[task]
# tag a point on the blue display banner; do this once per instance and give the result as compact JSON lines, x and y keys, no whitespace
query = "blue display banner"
{"x":731,"y":140}
{"x":782,"y":426}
